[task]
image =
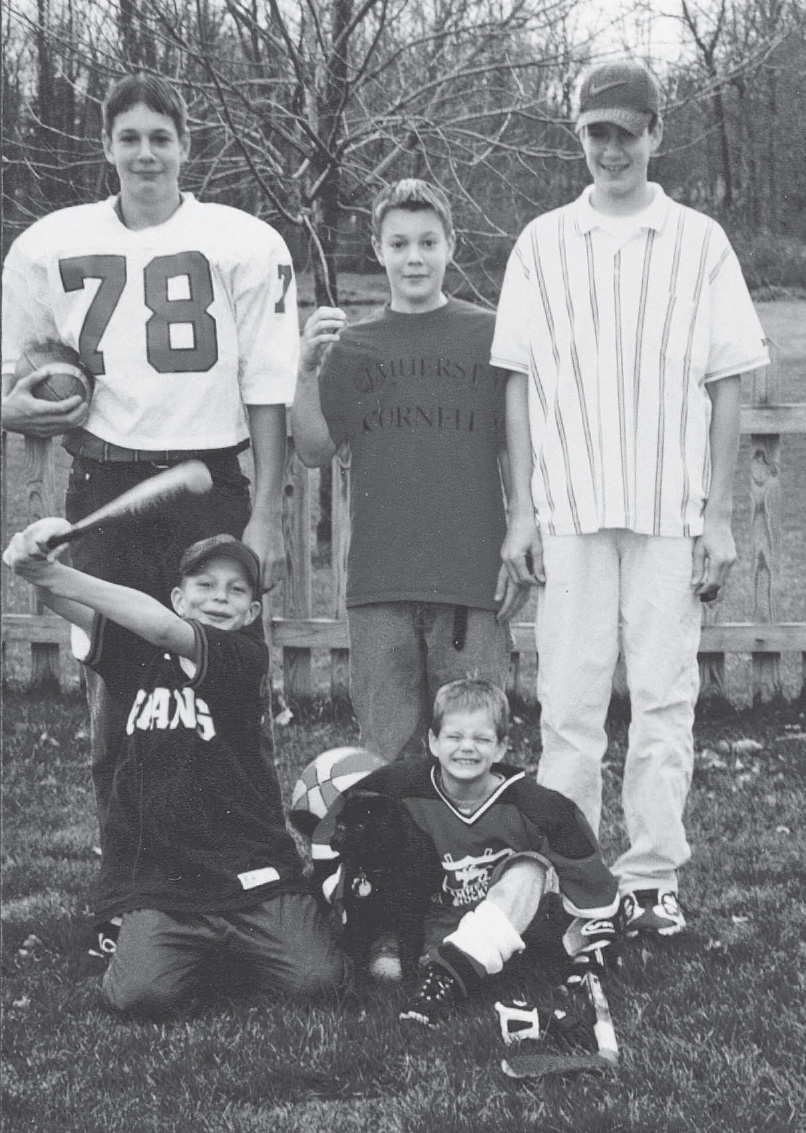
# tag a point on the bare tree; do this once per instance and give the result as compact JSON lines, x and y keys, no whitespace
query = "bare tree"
{"x":706,"y":31}
{"x":327,"y":100}
{"x":302,"y":110}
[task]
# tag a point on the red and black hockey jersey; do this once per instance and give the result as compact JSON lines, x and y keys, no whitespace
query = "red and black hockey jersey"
{"x":519,"y":816}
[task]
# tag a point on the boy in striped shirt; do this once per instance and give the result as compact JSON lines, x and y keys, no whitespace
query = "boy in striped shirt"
{"x":625,"y":325}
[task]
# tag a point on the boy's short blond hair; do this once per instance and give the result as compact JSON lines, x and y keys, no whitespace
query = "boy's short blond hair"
{"x":472,"y":694}
{"x":415,"y":196}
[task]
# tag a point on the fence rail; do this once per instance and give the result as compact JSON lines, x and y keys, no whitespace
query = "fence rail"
{"x":300,"y":635}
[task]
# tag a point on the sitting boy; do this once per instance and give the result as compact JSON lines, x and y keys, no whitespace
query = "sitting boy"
{"x":195,"y":854}
{"x":499,"y":837}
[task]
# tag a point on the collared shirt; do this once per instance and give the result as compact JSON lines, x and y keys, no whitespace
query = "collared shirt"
{"x":620,"y":323}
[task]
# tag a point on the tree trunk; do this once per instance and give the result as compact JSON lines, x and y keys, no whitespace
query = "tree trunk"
{"x":724,"y":145}
{"x":326,"y":210}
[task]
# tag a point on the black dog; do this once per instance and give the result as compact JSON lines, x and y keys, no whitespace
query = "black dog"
{"x":391,"y":870}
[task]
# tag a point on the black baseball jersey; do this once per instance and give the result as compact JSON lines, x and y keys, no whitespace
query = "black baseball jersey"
{"x":195,"y":819}
{"x":519,"y":816}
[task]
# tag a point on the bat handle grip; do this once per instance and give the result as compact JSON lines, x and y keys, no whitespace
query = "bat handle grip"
{"x":60,"y":540}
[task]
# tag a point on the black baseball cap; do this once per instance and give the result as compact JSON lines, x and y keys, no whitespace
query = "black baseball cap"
{"x":624,"y":93}
{"x":221,"y":545}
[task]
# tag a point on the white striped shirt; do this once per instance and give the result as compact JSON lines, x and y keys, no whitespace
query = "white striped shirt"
{"x":619,"y":329}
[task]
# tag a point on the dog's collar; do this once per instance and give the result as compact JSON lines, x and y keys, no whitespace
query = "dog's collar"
{"x":361,"y":884}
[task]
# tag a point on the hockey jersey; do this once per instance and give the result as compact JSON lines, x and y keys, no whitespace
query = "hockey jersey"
{"x":519,"y":816}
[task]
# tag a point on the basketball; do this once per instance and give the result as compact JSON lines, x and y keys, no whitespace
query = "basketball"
{"x":324,"y":779}
{"x":66,"y":374}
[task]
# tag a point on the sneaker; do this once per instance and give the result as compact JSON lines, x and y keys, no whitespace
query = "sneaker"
{"x":652,"y":912}
{"x":384,"y":960}
{"x":106,"y":936}
{"x":436,"y":995}
{"x":517,"y":1020}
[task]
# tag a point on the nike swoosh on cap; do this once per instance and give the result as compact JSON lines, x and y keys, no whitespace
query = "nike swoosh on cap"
{"x":594,"y":90}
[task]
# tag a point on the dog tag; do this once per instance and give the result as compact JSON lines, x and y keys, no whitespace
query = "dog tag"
{"x":361,"y":886}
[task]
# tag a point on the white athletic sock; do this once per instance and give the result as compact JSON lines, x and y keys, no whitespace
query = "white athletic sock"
{"x":486,"y":935}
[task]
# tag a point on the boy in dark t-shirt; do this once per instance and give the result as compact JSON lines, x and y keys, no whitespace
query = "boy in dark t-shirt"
{"x":411,"y":393}
{"x":195,"y":855}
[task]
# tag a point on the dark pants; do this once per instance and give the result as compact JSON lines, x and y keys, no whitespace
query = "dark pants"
{"x":284,"y":946}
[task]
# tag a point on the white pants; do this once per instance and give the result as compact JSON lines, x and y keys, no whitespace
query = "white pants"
{"x":594,"y":583}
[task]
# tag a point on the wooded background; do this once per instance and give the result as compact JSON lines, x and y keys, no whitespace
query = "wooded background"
{"x":302,"y":109}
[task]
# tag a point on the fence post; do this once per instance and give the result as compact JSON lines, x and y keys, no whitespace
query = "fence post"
{"x":765,"y":531}
{"x":712,"y":665}
{"x":40,"y":501}
{"x":5,"y":533}
{"x":513,"y":682}
{"x":340,"y":547}
{"x":297,"y":670}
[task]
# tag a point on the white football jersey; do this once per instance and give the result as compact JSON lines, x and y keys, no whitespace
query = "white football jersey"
{"x":182,"y":324}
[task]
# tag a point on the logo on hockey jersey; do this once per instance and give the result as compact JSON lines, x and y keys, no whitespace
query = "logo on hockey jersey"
{"x":467,"y":880}
{"x":167,"y":709}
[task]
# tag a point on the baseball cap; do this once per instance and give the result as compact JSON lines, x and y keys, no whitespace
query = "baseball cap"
{"x":227,"y":545}
{"x":625,"y":93}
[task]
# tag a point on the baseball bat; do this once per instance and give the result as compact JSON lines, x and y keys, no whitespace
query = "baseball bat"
{"x":603,"y":1027}
{"x":191,"y":476}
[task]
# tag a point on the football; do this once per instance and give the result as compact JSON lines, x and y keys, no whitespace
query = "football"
{"x":324,"y":779}
{"x":66,"y":373}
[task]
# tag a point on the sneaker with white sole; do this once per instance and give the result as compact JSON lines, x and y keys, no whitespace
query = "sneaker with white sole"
{"x":651,"y":912}
{"x":438,"y":992}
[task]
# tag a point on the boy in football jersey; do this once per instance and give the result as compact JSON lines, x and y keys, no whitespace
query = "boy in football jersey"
{"x":196,"y":858}
{"x":499,"y":837}
{"x":410,"y":394}
{"x":625,"y":325}
{"x":185,"y":313}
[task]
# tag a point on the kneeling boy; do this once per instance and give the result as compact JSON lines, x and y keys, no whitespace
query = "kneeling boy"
{"x":195,"y":854}
{"x":500,"y":838}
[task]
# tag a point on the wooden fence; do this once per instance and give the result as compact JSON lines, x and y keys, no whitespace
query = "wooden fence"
{"x":302,"y":636}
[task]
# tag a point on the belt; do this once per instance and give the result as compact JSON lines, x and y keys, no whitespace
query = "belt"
{"x":82,"y":443}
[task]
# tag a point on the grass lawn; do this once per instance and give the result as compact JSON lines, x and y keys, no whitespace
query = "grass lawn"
{"x":711,"y":1035}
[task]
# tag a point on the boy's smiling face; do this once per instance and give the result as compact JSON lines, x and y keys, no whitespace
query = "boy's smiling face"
{"x":415,"y":250}
{"x":467,"y":746}
{"x":147,"y":153}
{"x":217,"y":594}
{"x":618,"y":162}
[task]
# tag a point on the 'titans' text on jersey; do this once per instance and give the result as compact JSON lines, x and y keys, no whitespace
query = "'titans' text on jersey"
{"x":182,"y":323}
{"x":168,"y":709}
